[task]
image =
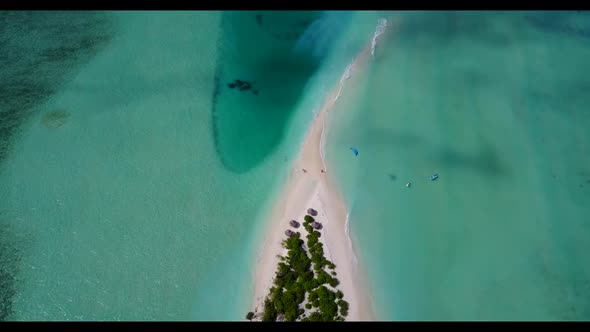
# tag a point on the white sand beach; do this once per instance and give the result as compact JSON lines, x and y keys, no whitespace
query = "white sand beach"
{"x":315,"y":189}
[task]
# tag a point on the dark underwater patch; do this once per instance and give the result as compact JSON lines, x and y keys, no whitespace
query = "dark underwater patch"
{"x":274,"y":82}
{"x":55,"y":119}
{"x":9,"y":262}
{"x":13,"y":244}
{"x":39,"y":52}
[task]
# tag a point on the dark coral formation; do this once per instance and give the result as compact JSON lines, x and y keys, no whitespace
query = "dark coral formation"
{"x":263,"y":68}
{"x":31,"y":73}
{"x":55,"y":119}
{"x":242,"y":86}
{"x":12,"y":246}
{"x":558,"y":23}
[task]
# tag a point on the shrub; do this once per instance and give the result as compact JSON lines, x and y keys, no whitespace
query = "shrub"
{"x":291,"y":315}
{"x":339,"y":295}
{"x":279,"y":282}
{"x":315,"y":317}
{"x":343,"y":303}
{"x":317,"y":259}
{"x":314,"y":234}
{"x":294,"y":241}
{"x":300,"y":262}
{"x":334,"y":282}
{"x":283,"y":269}
{"x":277,"y":299}
{"x":311,"y":244}
{"x":314,"y":284}
{"x":290,"y":279}
{"x":250,"y":315}
{"x":310,"y":285}
{"x":313,"y":296}
{"x":289,"y":300}
{"x":319,"y":251}
{"x":343,"y":312}
{"x":328,"y":310}
{"x":307,"y":285}
{"x":327,"y":317}
{"x":322,"y":291}
{"x":343,"y":308}
{"x":334,"y":273}
{"x":276,"y":292}
{"x":308,"y":218}
{"x":324,"y":278}
{"x":279,"y":306}
{"x":270,"y":314}
{"x":308,"y":306}
{"x":307,"y":276}
{"x":299,"y":293}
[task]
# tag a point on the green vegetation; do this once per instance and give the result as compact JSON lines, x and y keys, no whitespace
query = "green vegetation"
{"x":343,"y":307}
{"x":301,"y":273}
{"x":270,"y":313}
{"x":250,"y":315}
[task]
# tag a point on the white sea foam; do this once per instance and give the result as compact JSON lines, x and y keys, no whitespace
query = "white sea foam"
{"x":380,"y":29}
{"x":378,"y":32}
{"x":347,"y":232}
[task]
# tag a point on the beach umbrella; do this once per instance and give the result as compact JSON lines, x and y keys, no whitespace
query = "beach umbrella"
{"x":316,"y":225}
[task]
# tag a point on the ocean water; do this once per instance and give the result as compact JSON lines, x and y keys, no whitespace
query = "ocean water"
{"x":132,"y":178}
{"x":498,"y":105}
{"x":134,"y":181}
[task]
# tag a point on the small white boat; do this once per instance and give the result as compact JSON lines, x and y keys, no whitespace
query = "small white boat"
{"x":408,"y":184}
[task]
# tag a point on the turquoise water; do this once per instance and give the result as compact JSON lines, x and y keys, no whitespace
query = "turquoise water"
{"x":127,"y":191}
{"x":497,"y":105}
{"x":259,"y":48}
{"x":133,"y":179}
